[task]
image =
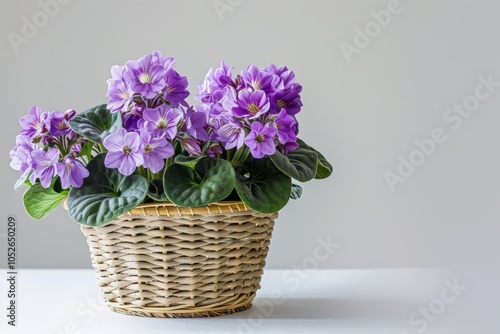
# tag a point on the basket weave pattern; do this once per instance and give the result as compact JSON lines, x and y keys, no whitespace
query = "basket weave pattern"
{"x":159,"y":260}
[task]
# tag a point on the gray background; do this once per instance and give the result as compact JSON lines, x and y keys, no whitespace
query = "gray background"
{"x":361,"y":114}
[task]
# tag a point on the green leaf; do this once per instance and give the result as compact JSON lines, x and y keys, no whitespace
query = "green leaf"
{"x":39,"y":201}
{"x":187,"y":161}
{"x":100,"y":174}
{"x":296,"y":191}
{"x":105,"y":194}
{"x":324,"y":168}
{"x":96,"y":123}
{"x":210,"y":181}
{"x":56,"y":185}
{"x":262,"y":186}
{"x":156,"y":191}
{"x":86,"y":151}
{"x":299,"y":164}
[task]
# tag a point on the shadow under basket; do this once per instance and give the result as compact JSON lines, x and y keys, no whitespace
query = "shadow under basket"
{"x":160,"y":260}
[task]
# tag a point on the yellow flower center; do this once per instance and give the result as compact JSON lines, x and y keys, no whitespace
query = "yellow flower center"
{"x":161,"y":123}
{"x":126,"y":150}
{"x":256,"y":85}
{"x":145,"y":78}
{"x":281,"y":104}
{"x":148,"y":149}
{"x":253,"y":108}
{"x":259,"y":138}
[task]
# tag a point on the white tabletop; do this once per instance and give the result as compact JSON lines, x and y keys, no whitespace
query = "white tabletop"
{"x":321,"y":301}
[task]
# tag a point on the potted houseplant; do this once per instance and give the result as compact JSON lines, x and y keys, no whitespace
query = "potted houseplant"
{"x":177,"y":202}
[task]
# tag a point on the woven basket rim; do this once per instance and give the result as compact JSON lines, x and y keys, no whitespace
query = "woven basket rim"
{"x":171,"y":209}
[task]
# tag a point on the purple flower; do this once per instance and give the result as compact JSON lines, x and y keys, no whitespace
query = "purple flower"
{"x":287,"y":147}
{"x":261,"y":140}
{"x":231,"y":135}
{"x":145,"y":76}
{"x":207,"y":87}
{"x":158,"y":58}
{"x":191,"y":145}
{"x":162,"y":121}
{"x":124,"y":151}
{"x":71,"y":172}
{"x":214,"y":150}
{"x":175,"y":88}
{"x":69,"y":114}
{"x":213,"y":119}
{"x":57,"y":123}
{"x":284,"y":125}
{"x":33,"y":124}
{"x":215,"y":80}
{"x":77,"y":147}
{"x":44,"y":165}
{"x":119,"y":93}
{"x":21,"y":155}
{"x":287,"y":95}
{"x":155,"y":151}
{"x":289,"y":100}
{"x":274,"y":70}
{"x":251,"y":104}
{"x":228,"y":101}
{"x":258,"y":80}
{"x":222,"y":75}
{"x":195,"y":123}
{"x":132,"y":118}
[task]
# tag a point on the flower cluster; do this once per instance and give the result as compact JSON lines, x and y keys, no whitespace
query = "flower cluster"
{"x":147,"y":144}
{"x":254,"y":111}
{"x":149,"y":81}
{"x":151,"y":95}
{"x":256,"y":108}
{"x":47,"y":147}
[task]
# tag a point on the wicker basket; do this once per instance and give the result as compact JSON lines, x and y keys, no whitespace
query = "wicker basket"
{"x":160,"y":260}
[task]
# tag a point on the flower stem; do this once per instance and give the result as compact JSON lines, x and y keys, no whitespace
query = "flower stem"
{"x":240,"y":156}
{"x":229,"y":154}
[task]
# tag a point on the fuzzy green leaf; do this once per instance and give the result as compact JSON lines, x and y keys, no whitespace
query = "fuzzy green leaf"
{"x":211,"y":180}
{"x":156,"y":191}
{"x":262,"y":186}
{"x":105,"y":194}
{"x":296,"y":191}
{"x":96,"y":123}
{"x":187,"y":161}
{"x":299,"y":164}
{"x":324,"y":168}
{"x":39,"y":201}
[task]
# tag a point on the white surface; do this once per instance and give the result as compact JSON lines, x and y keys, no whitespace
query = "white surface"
{"x":325,"y":301}
{"x":362,"y":115}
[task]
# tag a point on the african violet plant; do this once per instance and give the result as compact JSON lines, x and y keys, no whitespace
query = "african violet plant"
{"x":147,"y":144}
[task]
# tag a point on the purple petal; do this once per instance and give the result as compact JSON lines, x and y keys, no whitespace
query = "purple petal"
{"x":113,"y":159}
